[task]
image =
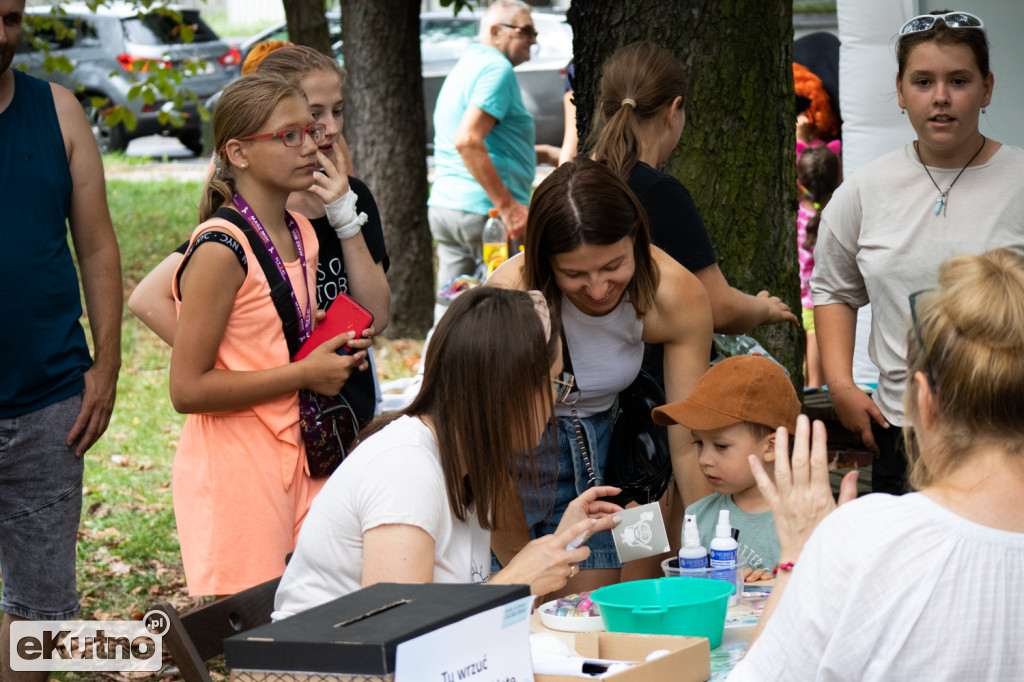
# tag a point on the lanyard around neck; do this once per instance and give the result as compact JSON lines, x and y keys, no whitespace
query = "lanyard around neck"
{"x":305,"y":320}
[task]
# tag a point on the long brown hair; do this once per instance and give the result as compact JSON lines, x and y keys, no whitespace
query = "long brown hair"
{"x":244,"y":106}
{"x":636,"y":82}
{"x":487,"y":363}
{"x":584,"y":202}
{"x":969,"y":342}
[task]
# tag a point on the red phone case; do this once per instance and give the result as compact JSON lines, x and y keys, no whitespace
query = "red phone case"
{"x":344,"y":315}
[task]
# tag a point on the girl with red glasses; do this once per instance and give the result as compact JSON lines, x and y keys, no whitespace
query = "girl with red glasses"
{"x":241,"y":483}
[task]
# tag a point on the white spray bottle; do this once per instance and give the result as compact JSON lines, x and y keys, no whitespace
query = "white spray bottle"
{"x":723,"y":554}
{"x":693,"y":558}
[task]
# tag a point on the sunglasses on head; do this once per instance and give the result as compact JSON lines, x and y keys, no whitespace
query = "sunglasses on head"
{"x":925,"y":22}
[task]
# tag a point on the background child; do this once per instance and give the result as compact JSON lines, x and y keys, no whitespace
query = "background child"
{"x":734,"y":412}
{"x":818,"y":174}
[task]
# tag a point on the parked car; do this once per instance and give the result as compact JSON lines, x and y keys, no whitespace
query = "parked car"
{"x":443,"y":39}
{"x":111,"y":51}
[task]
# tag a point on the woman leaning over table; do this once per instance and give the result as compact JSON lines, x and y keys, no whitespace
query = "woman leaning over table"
{"x":416,"y":501}
{"x":891,"y":223}
{"x":588,"y":251}
{"x":925,"y":586}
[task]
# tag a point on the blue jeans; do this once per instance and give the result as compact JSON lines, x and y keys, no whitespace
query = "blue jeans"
{"x":567,"y":478}
{"x":40,"y":507}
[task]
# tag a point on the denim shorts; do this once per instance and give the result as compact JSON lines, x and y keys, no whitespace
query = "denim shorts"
{"x":569,"y":478}
{"x":40,"y":508}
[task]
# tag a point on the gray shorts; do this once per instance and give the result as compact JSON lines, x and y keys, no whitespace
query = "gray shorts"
{"x":40,"y":508}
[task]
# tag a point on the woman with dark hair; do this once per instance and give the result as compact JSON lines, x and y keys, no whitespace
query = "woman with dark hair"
{"x":416,"y":501}
{"x":922,"y":586}
{"x":890,"y":224}
{"x":588,"y":251}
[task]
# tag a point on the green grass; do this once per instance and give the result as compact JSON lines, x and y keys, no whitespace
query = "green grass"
{"x":128,"y":554}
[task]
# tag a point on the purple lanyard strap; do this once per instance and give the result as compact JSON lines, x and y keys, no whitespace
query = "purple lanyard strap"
{"x":305,"y":321}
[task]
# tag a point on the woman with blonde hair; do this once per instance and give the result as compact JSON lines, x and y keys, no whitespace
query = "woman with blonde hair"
{"x":924,"y":585}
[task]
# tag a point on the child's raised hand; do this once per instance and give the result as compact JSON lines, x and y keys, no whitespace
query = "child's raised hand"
{"x":326,"y":371}
{"x":331,"y":184}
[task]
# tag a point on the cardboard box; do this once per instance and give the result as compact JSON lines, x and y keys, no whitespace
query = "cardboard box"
{"x":689,"y":660}
{"x":359,"y":633}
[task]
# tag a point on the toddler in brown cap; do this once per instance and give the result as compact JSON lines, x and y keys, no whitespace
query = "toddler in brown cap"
{"x":734,"y":412}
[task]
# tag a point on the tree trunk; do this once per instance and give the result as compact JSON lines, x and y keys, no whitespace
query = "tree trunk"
{"x":386,"y":131}
{"x":737,"y":152}
{"x":307,"y":24}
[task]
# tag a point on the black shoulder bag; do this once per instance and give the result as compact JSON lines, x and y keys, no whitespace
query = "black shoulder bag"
{"x":639,"y":461}
{"x":329,"y":425}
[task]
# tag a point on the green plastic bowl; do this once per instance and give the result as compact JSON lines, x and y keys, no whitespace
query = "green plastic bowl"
{"x":693,"y":607}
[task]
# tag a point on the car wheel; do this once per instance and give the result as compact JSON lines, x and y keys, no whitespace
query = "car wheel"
{"x":193,"y":141}
{"x":108,"y":138}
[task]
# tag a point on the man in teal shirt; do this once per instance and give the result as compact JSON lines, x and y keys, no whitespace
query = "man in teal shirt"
{"x":483,"y":142}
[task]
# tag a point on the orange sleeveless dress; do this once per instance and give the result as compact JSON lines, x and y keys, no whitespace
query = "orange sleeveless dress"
{"x":240,"y":480}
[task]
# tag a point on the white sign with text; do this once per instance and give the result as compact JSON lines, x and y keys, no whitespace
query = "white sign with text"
{"x":492,"y":646}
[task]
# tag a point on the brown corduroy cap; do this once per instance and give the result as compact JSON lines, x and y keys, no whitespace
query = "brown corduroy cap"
{"x":745,"y":388}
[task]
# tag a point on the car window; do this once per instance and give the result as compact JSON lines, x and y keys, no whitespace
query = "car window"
{"x":61,"y":33}
{"x":159,"y":29}
{"x":446,"y":39}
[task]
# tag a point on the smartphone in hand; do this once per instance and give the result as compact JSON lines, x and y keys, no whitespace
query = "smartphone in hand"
{"x":344,"y":315}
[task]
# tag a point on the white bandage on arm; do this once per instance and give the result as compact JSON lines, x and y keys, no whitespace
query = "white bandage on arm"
{"x":341,"y":214}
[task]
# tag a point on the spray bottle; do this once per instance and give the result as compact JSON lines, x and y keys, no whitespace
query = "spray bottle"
{"x":693,"y":558}
{"x":723,"y":554}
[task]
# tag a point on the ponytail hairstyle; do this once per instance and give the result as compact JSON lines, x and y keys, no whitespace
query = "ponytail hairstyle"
{"x":817,"y":171}
{"x":244,"y":106}
{"x":968,"y":340}
{"x":636,"y":82}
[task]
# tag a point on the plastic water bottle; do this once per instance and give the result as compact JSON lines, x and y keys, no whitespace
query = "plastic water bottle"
{"x":723,"y":554}
{"x":693,"y":558}
{"x":495,"y":240}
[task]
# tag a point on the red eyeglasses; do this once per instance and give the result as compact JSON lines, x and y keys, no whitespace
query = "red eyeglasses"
{"x":294,"y":136}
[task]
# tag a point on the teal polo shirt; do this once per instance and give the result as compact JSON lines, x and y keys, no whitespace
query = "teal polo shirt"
{"x":482,"y":78}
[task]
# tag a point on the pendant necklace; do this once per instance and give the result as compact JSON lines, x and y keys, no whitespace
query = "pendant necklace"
{"x":940,"y":203}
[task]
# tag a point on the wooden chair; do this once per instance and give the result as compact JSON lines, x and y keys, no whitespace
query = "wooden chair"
{"x":197,"y":636}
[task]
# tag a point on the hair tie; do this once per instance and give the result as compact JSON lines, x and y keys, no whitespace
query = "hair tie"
{"x":630,"y":101}
{"x":218,"y":165}
{"x":540,"y":304}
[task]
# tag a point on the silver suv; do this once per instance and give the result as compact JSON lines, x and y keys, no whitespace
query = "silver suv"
{"x":115,"y":48}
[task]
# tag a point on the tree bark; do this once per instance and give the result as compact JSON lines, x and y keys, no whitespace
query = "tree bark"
{"x":386,"y":131}
{"x":307,"y":24}
{"x":737,"y":151}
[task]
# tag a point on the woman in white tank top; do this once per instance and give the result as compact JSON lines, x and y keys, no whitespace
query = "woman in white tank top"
{"x":588,"y":250}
